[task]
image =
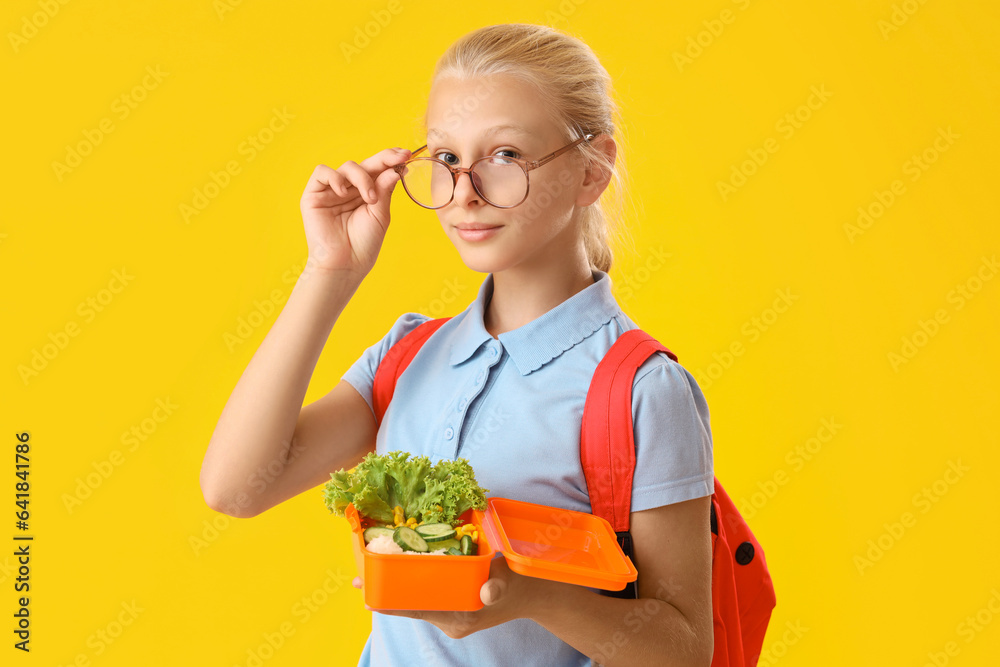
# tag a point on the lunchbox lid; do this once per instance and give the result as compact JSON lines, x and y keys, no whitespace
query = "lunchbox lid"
{"x":557,"y":544}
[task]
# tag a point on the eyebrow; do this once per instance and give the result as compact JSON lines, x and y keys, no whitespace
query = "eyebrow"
{"x":496,"y":129}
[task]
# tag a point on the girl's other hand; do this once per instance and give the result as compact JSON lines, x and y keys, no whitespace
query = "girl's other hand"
{"x":345,"y":211}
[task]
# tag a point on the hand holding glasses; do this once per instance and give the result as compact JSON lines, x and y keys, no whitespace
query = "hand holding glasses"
{"x":501,"y":181}
{"x":345,"y":212}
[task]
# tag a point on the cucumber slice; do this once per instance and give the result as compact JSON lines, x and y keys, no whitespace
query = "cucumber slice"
{"x":409,"y":539}
{"x":375,"y":531}
{"x":452,"y":551}
{"x":467,"y":546}
{"x":443,"y":545}
{"x":435,"y":532}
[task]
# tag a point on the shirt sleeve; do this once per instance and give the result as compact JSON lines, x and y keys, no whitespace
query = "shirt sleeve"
{"x":673,"y":442}
{"x":361,"y":374}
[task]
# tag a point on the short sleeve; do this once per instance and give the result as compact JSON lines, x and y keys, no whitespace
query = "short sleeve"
{"x":361,"y":374}
{"x":673,"y":440}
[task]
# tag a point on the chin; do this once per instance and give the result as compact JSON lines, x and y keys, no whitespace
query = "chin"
{"x":482,"y":260}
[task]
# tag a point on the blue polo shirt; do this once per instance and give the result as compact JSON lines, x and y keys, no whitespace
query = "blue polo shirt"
{"x":513,"y":407}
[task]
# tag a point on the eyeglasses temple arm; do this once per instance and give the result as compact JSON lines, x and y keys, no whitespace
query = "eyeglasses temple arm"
{"x":553,"y":156}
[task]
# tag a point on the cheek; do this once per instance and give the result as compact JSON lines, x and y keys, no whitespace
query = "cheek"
{"x":547,"y":201}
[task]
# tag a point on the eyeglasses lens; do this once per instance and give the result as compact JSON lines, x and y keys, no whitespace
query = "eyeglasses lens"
{"x":500,"y":181}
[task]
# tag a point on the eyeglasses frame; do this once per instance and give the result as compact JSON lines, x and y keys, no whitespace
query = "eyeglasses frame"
{"x":526,"y":166}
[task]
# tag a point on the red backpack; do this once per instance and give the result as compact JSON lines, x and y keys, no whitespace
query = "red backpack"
{"x":742,"y":591}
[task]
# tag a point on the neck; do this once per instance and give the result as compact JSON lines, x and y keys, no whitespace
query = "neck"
{"x":522,"y":294}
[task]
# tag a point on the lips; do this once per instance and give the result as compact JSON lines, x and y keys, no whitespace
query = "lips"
{"x":475,"y":225}
{"x":476,"y":231}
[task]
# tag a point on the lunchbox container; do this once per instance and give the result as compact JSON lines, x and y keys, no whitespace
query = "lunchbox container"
{"x":537,"y":541}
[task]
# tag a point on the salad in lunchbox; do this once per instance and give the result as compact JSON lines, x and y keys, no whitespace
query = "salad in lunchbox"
{"x":409,"y":505}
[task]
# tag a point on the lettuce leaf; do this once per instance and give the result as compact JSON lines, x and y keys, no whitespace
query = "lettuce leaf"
{"x":438,"y":492}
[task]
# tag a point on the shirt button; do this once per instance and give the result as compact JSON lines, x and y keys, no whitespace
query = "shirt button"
{"x":461,"y":404}
{"x":479,"y":378}
{"x":494,"y":352}
{"x":449,"y":433}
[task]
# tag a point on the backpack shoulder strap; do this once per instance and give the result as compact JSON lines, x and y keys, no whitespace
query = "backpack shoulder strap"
{"x":395,"y":361}
{"x":607,"y":445}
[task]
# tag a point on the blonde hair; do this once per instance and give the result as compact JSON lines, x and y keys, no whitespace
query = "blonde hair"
{"x":578,"y":93}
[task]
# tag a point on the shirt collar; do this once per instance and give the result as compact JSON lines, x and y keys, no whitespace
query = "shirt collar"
{"x":544,"y":338}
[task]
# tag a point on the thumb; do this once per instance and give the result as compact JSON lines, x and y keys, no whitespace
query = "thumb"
{"x":492,"y":591}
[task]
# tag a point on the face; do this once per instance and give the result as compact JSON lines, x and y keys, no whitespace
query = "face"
{"x":460,"y":117}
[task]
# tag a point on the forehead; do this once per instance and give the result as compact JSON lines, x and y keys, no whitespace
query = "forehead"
{"x":497,"y":105}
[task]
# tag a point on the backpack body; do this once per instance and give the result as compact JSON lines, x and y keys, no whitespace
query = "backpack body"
{"x":742,"y":590}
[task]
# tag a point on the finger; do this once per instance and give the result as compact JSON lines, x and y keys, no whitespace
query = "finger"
{"x":380,"y":166}
{"x":385,"y":183}
{"x":357,"y":176}
{"x":357,"y":582}
{"x":385,"y":159}
{"x":492,"y":591}
{"x":324,"y":177}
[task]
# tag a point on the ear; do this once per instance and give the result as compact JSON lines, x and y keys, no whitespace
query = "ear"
{"x":596,"y":177}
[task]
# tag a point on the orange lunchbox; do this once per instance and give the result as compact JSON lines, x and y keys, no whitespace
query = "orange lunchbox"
{"x":537,"y":541}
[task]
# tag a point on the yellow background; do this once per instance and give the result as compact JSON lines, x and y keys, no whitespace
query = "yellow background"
{"x":133,"y":540}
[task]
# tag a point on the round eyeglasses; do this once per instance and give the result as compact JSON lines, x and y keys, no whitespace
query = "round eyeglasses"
{"x":501,"y":181}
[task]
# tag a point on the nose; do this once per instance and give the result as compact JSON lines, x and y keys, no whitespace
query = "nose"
{"x":465,"y":192}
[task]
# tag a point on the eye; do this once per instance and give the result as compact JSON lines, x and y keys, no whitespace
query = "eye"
{"x":443,"y":156}
{"x":514,"y":154}
{"x":452,"y":159}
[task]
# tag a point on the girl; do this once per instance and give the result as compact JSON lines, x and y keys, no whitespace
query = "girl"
{"x":502,"y":383}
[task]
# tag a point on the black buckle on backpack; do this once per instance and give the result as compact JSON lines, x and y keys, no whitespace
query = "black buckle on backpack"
{"x":631,"y":590}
